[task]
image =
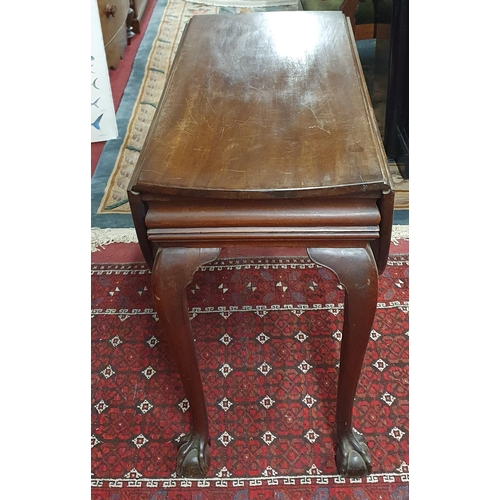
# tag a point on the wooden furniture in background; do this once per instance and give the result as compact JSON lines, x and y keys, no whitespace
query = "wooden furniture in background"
{"x":113,"y":15}
{"x":360,"y":12}
{"x":348,"y":8}
{"x":265,"y":136}
{"x":397,"y":126}
{"x":138,"y":7}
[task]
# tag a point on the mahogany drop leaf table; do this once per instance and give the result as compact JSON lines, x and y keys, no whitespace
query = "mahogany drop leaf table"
{"x":265,"y":136}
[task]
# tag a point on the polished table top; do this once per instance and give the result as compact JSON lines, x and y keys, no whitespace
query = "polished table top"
{"x":264,"y":105}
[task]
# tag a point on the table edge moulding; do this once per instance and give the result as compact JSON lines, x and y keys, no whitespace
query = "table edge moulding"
{"x":265,"y":137}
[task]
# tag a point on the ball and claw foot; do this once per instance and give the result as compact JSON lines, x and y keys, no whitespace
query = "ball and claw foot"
{"x":193,"y":456}
{"x":353,"y":456}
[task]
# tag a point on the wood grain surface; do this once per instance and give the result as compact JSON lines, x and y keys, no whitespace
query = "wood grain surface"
{"x":264,"y":105}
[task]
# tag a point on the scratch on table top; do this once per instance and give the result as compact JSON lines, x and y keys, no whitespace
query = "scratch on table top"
{"x":318,"y":121}
{"x":155,"y":172}
{"x":255,"y":88}
{"x":230,"y":171}
{"x":183,"y":127}
{"x":210,"y":106}
{"x":321,"y":128}
{"x":190,"y":106}
{"x":243,"y":123}
{"x":207,"y":122}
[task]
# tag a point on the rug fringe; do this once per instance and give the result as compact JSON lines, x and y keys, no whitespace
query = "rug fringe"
{"x":400,"y":232}
{"x":104,"y":237}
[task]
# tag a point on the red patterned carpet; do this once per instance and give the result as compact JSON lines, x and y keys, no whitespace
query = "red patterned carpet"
{"x":268,"y":337}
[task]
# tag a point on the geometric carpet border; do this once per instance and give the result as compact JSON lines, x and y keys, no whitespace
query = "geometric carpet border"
{"x":183,"y":482}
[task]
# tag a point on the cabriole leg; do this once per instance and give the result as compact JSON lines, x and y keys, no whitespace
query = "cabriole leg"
{"x":357,"y":271}
{"x":172,"y":271}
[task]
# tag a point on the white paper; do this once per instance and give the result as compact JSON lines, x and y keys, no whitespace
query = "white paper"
{"x":103,"y":119}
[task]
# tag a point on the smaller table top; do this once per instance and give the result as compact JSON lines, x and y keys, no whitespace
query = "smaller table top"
{"x":264,"y":105}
